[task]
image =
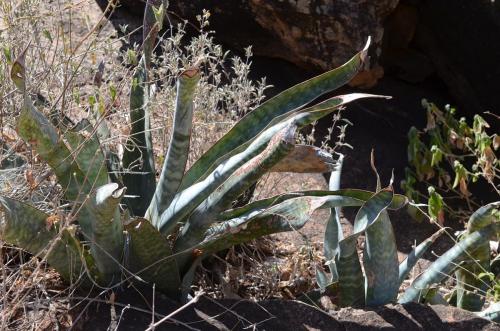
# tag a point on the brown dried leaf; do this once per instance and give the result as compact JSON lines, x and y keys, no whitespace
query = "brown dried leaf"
{"x":51,"y":221}
{"x":28,"y":175}
{"x":496,"y":142}
{"x":463,"y":187}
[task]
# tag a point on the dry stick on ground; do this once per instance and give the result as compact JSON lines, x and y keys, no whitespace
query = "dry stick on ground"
{"x":175,"y":312}
{"x":128,"y":306}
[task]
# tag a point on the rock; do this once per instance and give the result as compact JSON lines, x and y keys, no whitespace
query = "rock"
{"x":464,"y":48}
{"x":412,"y":316}
{"x":312,"y":34}
{"x":210,"y":314}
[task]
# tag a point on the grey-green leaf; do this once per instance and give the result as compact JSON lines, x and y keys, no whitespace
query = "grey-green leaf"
{"x":187,"y":200}
{"x":411,"y":260}
{"x":293,"y":98}
{"x":32,"y":230}
{"x":138,"y":158}
{"x":447,"y":262}
{"x":86,"y":150}
{"x":151,"y":257}
{"x":178,"y":150}
{"x":351,"y":280}
{"x":206,"y":213}
{"x":471,"y":289}
{"x":333,"y":230}
{"x":102,"y":216}
{"x":380,"y":261}
{"x":35,"y":128}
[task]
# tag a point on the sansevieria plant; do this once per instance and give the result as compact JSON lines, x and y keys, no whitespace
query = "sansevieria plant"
{"x":376,"y":279}
{"x":165,"y":226}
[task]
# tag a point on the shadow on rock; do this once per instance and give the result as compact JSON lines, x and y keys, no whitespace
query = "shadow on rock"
{"x":132,"y":311}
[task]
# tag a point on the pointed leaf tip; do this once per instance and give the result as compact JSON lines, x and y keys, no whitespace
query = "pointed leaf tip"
{"x":364,"y":52}
{"x":18,"y":70}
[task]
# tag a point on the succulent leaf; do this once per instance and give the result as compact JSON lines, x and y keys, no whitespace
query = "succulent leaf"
{"x":138,"y":158}
{"x":187,"y":200}
{"x":380,"y":261}
{"x":255,"y":121}
{"x":35,"y":128}
{"x":34,"y":231}
{"x":468,"y":282}
{"x":301,"y":117}
{"x":333,"y":230}
{"x":356,"y":198}
{"x":151,"y":257}
{"x":206,"y":213}
{"x":178,"y":151}
{"x":102,"y":226}
{"x":351,"y":280}
{"x":411,"y":260}
{"x":88,"y":154}
{"x":449,"y":261}
{"x":287,"y":215}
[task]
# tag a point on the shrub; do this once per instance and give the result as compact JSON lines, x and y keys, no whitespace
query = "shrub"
{"x":450,"y":157}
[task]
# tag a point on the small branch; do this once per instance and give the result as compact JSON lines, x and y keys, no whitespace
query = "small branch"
{"x":175,"y":312}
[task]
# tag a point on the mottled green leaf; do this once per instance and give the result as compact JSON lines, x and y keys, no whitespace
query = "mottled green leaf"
{"x":192,"y":232}
{"x":151,"y":257}
{"x":380,"y":261}
{"x":86,"y":150}
{"x":471,"y":289}
{"x":187,"y":200}
{"x":446,"y":263}
{"x":356,"y":198}
{"x":411,"y":260}
{"x":293,"y":98}
{"x":333,"y":230}
{"x":351,"y":280}
{"x":34,"y":127}
{"x":138,"y":158}
{"x":178,"y":151}
{"x":41,"y":234}
{"x":102,"y":226}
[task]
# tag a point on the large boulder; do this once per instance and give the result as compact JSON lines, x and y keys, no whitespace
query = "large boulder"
{"x":318,"y":34}
{"x":209,"y":314}
{"x":461,"y":38}
{"x":414,"y":40}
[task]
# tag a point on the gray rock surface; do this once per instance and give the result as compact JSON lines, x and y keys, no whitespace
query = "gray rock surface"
{"x":208,"y":314}
{"x":319,"y":34}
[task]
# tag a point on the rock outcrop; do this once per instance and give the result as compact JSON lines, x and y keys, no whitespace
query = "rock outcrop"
{"x":209,"y":314}
{"x":319,"y":34}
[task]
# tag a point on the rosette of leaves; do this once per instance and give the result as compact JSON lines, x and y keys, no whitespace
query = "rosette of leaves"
{"x":164,"y":227}
{"x":377,"y":277}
